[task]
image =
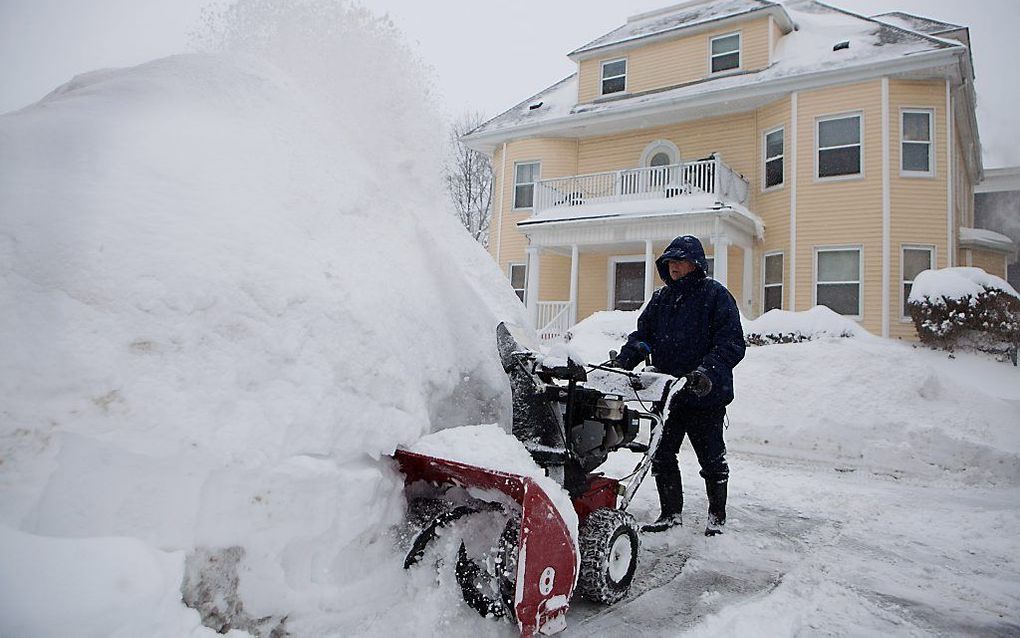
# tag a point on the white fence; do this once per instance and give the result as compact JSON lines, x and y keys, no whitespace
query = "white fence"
{"x":658,"y":182}
{"x":554,"y":319}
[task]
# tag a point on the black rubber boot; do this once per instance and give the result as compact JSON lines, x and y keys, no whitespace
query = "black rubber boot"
{"x":716,"y":506}
{"x":671,"y":504}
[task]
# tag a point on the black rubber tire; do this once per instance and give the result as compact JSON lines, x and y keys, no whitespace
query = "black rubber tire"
{"x":606,"y":538}
{"x":470,"y":575}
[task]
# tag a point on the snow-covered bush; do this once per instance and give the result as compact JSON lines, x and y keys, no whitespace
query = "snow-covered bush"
{"x":784,"y":326}
{"x":773,"y":327}
{"x":968,"y":308}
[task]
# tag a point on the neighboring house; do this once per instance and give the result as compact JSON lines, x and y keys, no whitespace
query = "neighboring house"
{"x":997,"y":209}
{"x":822,"y":157}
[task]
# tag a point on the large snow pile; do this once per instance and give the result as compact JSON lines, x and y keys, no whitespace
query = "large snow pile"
{"x":231,"y":285}
{"x":871,"y":403}
{"x":609,"y":329}
{"x":939,"y":285}
{"x":815,"y":323}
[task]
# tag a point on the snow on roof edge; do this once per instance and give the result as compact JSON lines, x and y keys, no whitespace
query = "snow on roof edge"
{"x":951,"y":26}
{"x":986,"y":238}
{"x":590,"y":46}
{"x":522,"y":103}
{"x":926,"y":36}
{"x":787,"y":83}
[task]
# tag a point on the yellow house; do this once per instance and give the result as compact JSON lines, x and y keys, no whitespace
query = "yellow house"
{"x":822,"y":157}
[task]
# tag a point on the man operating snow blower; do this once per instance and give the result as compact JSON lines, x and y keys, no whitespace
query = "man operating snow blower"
{"x":690,"y":328}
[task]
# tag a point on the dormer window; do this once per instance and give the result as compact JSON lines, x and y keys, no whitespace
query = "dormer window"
{"x":614,"y":76}
{"x":725,"y":52}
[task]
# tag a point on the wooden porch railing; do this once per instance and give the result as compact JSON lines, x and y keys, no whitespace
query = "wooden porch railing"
{"x":553,"y":319}
{"x":709,"y":176}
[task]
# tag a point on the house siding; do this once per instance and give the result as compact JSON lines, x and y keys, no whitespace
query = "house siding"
{"x":830,"y":213}
{"x":558,"y":158}
{"x":777,"y":34}
{"x":845,"y":212}
{"x":773,"y":206}
{"x":672,"y":62}
{"x":555,"y":275}
{"x":593,"y":284}
{"x":994,"y":263}
{"x":918,"y":204}
{"x":731,"y":136}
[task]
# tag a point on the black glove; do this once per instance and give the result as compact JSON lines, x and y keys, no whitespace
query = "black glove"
{"x":698,"y":383}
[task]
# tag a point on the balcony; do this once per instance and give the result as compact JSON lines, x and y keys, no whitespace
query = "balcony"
{"x":554,"y":197}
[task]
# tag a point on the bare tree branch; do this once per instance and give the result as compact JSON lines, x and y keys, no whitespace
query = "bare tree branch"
{"x":468,"y":176}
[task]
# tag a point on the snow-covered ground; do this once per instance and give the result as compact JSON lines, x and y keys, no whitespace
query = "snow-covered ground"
{"x":873,"y":492}
{"x":231,"y":288}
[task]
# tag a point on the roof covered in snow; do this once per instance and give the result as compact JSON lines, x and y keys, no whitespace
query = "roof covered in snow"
{"x":984,"y":238}
{"x":801,"y":57}
{"x":917,"y":23}
{"x":674,"y":18}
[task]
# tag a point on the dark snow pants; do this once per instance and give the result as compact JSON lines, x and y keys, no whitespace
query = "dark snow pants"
{"x":705,"y":430}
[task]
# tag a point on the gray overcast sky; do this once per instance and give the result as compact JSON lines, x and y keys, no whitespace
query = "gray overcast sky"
{"x":486,"y":56}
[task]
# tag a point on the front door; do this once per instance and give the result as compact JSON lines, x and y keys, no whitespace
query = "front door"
{"x":629,"y":285}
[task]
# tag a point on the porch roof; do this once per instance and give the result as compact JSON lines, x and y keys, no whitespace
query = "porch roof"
{"x":636,"y":222}
{"x":982,"y":238}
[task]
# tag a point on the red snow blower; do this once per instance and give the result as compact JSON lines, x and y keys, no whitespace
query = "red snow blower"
{"x":516,"y":557}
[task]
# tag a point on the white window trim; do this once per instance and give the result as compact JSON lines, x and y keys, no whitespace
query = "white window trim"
{"x":840,"y":116}
{"x":765,"y":158}
{"x":903,"y":249}
{"x":534,"y":193}
{"x":611,"y":275}
{"x":930,"y":173}
{"x":603,"y":78}
{"x":710,"y":260}
{"x":860,"y":276}
{"x":510,"y":278}
{"x":660,"y":145}
{"x":740,"y":54}
{"x":781,"y":284}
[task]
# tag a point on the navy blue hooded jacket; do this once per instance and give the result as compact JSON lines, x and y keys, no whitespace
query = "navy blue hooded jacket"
{"x":688,"y":323}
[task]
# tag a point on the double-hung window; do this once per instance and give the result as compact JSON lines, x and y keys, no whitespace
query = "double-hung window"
{"x":525,"y":176}
{"x":916,"y":142}
{"x":518,"y":279}
{"x":725,"y":53}
{"x":838,"y":280}
{"x":772,"y":298}
{"x":916,"y":259}
{"x":774,"y":147}
{"x":839,"y":146}
{"x":614,"y":76}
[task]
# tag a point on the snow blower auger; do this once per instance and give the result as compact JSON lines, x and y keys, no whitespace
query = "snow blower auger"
{"x":524,"y":568}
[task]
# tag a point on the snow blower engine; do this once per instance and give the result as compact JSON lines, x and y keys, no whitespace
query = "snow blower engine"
{"x":514,"y":553}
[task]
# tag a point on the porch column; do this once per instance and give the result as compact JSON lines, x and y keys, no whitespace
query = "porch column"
{"x":748,"y":281}
{"x":531,"y":290}
{"x":721,"y":247}
{"x":573,"y":284}
{"x":649,"y":270}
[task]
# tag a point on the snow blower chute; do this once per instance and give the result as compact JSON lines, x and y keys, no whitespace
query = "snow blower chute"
{"x":513,"y":553}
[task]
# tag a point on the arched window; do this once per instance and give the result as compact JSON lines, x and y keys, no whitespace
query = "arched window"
{"x":661,"y":153}
{"x":661,"y":158}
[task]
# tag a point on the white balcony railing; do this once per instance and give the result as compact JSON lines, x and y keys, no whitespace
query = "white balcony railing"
{"x":554,"y":319}
{"x":709,"y":176}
